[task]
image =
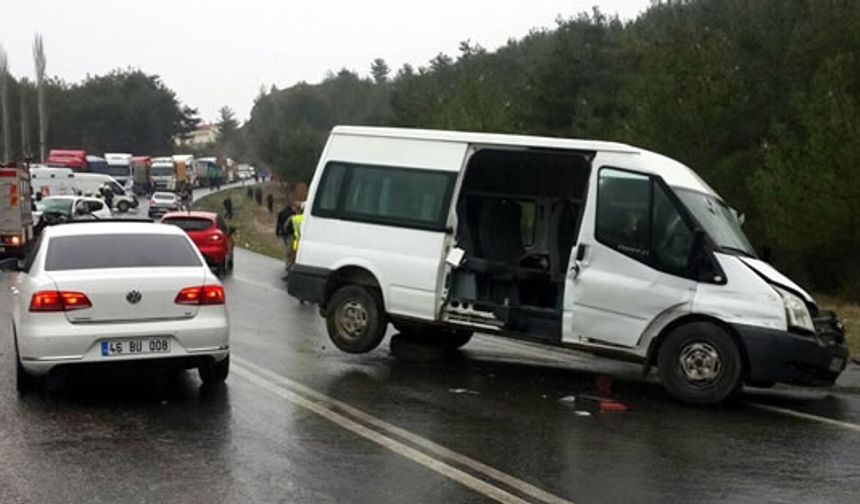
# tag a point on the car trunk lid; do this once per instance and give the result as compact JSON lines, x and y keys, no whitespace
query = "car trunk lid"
{"x":126,"y":295}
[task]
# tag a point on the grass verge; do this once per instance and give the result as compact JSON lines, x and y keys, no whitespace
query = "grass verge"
{"x":255,"y":226}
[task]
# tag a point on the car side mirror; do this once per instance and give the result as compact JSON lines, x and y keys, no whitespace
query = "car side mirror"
{"x":10,"y":265}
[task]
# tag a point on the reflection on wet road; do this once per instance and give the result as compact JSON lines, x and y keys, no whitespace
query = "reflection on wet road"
{"x":299,"y":421}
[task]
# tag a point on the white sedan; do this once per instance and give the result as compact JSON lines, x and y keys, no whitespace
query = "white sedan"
{"x":66,"y":208}
{"x":106,"y":292}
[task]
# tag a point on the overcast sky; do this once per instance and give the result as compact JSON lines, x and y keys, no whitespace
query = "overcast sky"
{"x":219,"y":52}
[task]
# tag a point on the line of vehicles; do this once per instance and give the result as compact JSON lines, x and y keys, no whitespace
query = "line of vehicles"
{"x":24,"y":212}
{"x":143,"y":174}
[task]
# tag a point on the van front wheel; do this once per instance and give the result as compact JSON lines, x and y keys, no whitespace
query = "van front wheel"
{"x":700,"y":364}
{"x":355,"y":319}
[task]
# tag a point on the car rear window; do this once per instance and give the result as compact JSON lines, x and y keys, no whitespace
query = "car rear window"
{"x":189,"y":223}
{"x":103,"y":251}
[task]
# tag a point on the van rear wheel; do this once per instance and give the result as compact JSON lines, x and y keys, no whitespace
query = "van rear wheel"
{"x":700,"y":364}
{"x":355,"y":319}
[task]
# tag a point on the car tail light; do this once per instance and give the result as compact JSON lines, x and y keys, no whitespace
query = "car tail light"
{"x":215,"y":238}
{"x":203,"y":295}
{"x":13,"y":240}
{"x":54,"y":301}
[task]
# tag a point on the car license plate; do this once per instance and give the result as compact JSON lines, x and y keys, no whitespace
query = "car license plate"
{"x":135,"y":346}
{"x":837,"y":364}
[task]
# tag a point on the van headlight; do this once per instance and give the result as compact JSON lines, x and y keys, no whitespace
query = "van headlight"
{"x":796,"y":311}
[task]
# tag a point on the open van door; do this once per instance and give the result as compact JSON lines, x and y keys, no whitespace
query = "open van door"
{"x":631,"y":262}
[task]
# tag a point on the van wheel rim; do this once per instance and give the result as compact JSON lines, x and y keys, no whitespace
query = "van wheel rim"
{"x":352,"y":319}
{"x":700,"y":363}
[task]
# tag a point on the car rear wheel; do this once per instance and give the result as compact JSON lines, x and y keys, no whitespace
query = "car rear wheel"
{"x":25,"y":383}
{"x":122,"y":206}
{"x":212,"y":372}
{"x":355,"y":319}
{"x":700,"y":364}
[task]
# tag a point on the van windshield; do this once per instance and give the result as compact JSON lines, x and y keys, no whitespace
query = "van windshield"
{"x":718,"y":220}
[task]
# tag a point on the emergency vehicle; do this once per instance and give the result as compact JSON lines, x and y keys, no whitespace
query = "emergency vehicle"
{"x":16,"y":210}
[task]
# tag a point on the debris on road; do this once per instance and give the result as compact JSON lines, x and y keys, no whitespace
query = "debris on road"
{"x":612,"y":406}
{"x":463,"y":391}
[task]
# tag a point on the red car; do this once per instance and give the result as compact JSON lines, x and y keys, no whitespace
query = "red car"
{"x":211,"y":235}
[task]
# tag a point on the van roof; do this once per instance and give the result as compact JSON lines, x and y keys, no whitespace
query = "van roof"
{"x":486,"y":138}
{"x":674,"y":172}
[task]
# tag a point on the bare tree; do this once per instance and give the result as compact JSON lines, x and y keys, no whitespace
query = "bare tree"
{"x":4,"y":105}
{"x":26,"y":151}
{"x":40,"y":63}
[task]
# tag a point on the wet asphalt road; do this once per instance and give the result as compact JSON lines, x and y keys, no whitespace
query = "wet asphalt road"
{"x":281,"y":429}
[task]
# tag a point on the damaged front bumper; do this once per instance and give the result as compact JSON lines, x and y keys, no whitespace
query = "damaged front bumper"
{"x":798,"y":359}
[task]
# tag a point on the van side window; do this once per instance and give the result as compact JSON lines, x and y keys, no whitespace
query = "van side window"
{"x":672,"y":236}
{"x":329,"y":191}
{"x":623,"y":212}
{"x":637,"y":217}
{"x":403,"y":197}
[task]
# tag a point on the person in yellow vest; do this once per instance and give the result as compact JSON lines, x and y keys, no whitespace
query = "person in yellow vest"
{"x":294,"y":229}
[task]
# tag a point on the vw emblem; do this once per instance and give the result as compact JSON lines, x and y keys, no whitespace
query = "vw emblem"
{"x":133,"y":297}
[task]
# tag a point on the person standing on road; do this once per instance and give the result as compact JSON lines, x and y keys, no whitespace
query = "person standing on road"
{"x":284,"y":231}
{"x":228,"y":208}
{"x":270,"y":202}
{"x":294,"y":225}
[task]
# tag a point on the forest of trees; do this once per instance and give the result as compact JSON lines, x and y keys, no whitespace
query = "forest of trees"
{"x":760,"y":98}
{"x":123,"y":111}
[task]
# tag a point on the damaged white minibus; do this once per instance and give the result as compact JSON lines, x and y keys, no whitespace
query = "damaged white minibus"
{"x":595,"y":246}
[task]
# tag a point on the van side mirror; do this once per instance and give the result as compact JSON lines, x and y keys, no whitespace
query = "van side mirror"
{"x":10,"y":265}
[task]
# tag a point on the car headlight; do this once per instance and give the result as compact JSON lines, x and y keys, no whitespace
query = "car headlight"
{"x":796,"y":311}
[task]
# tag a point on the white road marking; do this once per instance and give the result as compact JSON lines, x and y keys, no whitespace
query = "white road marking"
{"x":331,"y":404}
{"x":805,"y":416}
{"x":326,"y":412}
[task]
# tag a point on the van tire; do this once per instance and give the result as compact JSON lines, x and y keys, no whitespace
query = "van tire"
{"x":122,"y":206}
{"x":355,"y":319}
{"x":700,"y":364}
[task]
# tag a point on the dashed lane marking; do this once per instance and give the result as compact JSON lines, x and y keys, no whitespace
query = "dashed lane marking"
{"x":337,"y":411}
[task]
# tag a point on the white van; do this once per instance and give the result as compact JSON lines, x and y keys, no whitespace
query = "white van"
{"x":89,"y":184}
{"x":52,"y":181}
{"x":590,"y":245}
